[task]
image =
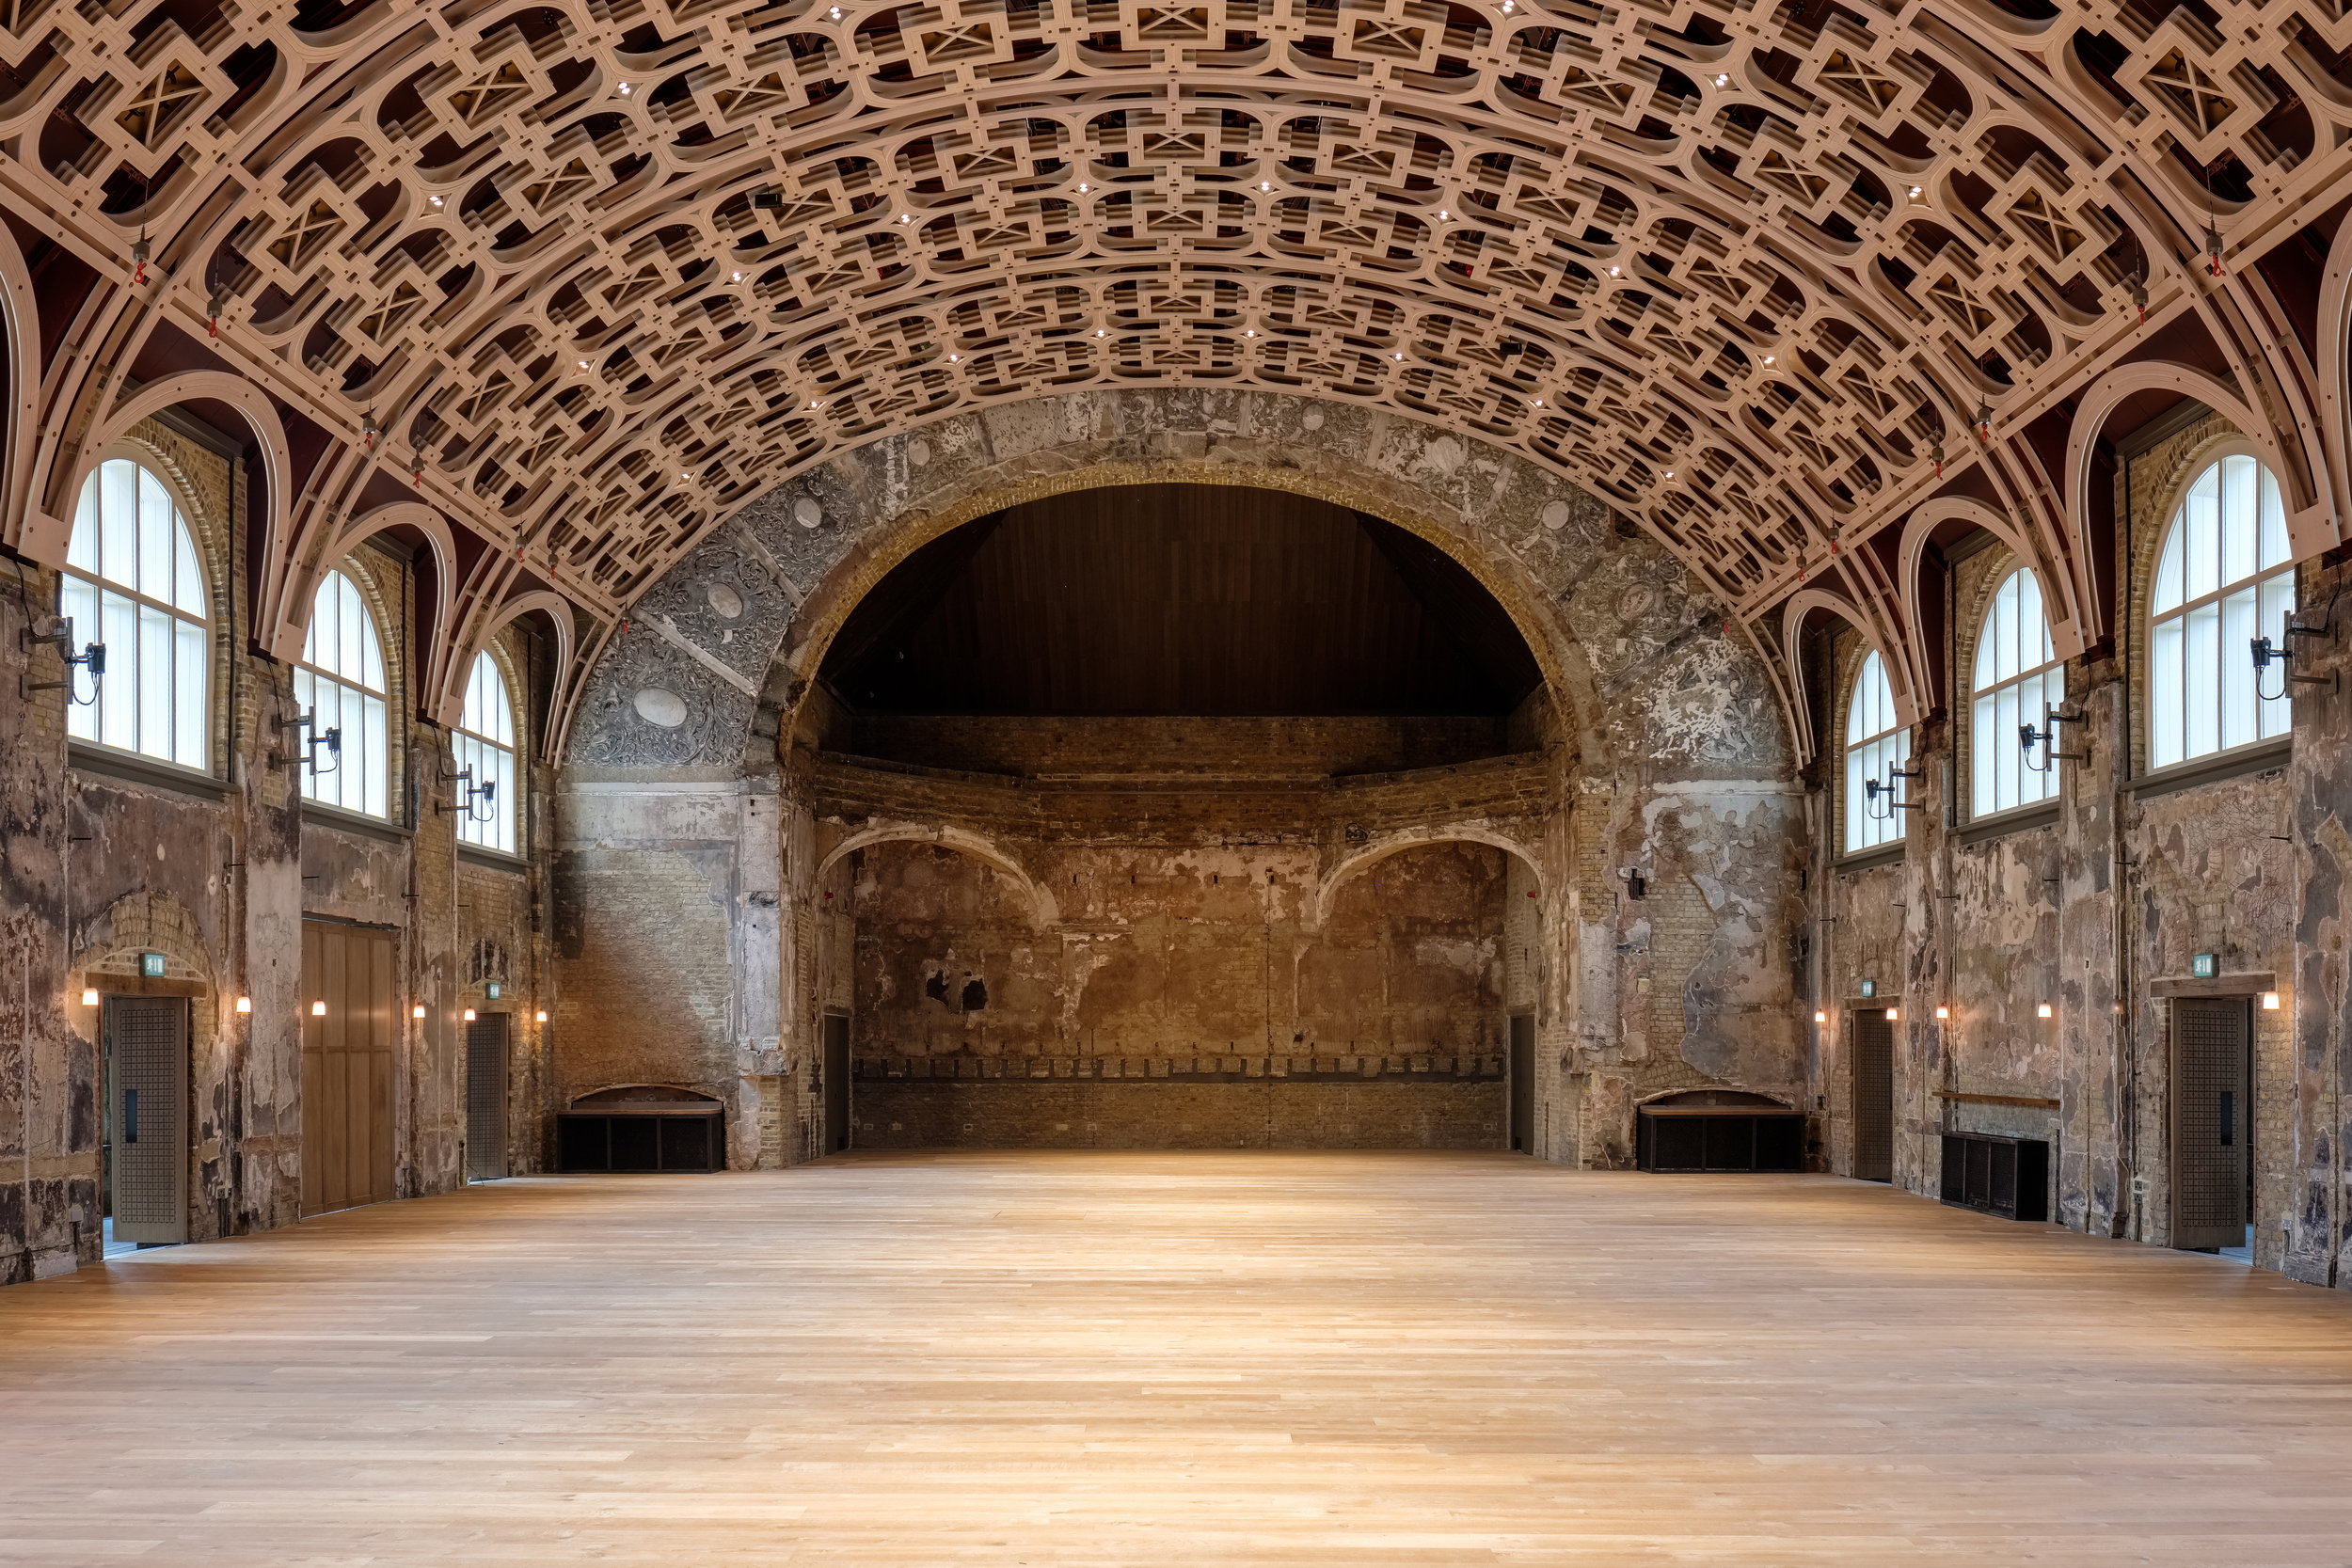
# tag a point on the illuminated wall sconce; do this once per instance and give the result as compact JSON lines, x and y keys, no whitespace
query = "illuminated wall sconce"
{"x":2270,"y":1001}
{"x":1893,"y":1013}
{"x":1943,"y":1012}
{"x":543,"y":1015}
{"x":416,"y":1011}
{"x":1819,"y":1017}
{"x":2041,"y":1010}
{"x":318,"y":1009}
{"x":468,"y":1015}
{"x":89,"y":996}
{"x":245,"y":1003}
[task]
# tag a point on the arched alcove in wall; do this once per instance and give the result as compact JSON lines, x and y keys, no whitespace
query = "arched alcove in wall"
{"x":1071,"y":663}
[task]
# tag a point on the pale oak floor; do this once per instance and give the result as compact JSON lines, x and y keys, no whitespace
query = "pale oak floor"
{"x":1196,"y":1358}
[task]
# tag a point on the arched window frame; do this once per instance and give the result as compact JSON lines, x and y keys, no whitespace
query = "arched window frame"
{"x":2178,"y":718}
{"x":360,"y":779}
{"x":2014,"y":668}
{"x":116,"y":611}
{"x":1876,"y":742}
{"x":479,"y":747}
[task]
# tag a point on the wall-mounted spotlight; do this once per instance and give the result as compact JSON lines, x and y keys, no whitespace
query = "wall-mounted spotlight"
{"x":2263,"y":652}
{"x":2046,"y":737}
{"x":245,"y":1003}
{"x":1943,"y":1012}
{"x":2043,"y":1009}
{"x":332,"y":739}
{"x":2270,"y":1001}
{"x":1893,"y":1013}
{"x":318,"y":1009}
{"x":89,"y":996}
{"x":468,"y":1015}
{"x":60,"y":636}
{"x":475,"y":803}
{"x":1873,"y":789}
{"x":1819,"y":1016}
{"x":416,"y":1011}
{"x":542,"y":1015}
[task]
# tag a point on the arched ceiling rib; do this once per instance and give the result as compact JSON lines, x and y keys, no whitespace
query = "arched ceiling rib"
{"x":599,"y":271}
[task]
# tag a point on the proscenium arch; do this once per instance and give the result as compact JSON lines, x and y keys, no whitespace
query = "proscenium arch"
{"x":1363,"y":860}
{"x":1567,"y":679}
{"x":965,"y":842}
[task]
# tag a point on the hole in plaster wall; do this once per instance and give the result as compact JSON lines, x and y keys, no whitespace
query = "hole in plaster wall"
{"x":975,"y":995}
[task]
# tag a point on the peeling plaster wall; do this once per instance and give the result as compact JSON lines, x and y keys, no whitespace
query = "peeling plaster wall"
{"x":1665,"y":751}
{"x":1164,"y":956}
{"x":2094,"y":905}
{"x":102,"y":859}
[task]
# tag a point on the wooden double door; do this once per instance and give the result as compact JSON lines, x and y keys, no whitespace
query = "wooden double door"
{"x":347,"y":1052}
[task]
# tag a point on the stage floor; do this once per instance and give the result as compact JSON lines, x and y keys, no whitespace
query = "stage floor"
{"x":1308,"y":1359}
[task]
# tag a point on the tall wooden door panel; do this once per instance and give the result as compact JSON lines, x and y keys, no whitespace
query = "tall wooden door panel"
{"x":486,"y":1097}
{"x":1873,"y":1044}
{"x":346,"y":1065}
{"x":146,"y":1094}
{"x":837,"y":1083}
{"x":1523,"y":1083}
{"x":2211,"y":1121}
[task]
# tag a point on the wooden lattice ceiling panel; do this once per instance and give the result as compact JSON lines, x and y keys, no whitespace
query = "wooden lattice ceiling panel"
{"x":602,"y":270}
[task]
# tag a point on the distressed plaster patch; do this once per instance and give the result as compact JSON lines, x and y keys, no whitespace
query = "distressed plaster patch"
{"x":666,"y":708}
{"x":807,"y":513}
{"x":723,"y":600}
{"x":1555,"y":516}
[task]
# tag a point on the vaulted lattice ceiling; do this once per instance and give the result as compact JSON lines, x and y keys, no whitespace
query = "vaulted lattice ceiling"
{"x":601,"y":271}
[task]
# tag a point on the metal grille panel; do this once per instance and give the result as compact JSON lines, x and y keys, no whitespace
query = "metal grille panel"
{"x":486,"y":1096}
{"x":147,"y":1042}
{"x":2210,"y":1122}
{"x":1873,"y":1095}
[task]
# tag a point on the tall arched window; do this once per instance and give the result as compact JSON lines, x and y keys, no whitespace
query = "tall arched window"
{"x":2223,"y":579}
{"x":2016,"y":672}
{"x":132,"y":583}
{"x":486,"y":743}
{"x":340,"y":681}
{"x":1875,"y":745}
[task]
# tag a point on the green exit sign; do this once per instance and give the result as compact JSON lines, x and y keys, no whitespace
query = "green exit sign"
{"x":1870,"y":988}
{"x":2205,"y":966}
{"x":152,"y":964}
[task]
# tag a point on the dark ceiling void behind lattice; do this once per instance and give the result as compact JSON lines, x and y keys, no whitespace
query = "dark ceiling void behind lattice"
{"x":1179,"y":599}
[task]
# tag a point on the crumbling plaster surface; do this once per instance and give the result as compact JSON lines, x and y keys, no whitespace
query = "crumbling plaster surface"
{"x":1659,"y":700}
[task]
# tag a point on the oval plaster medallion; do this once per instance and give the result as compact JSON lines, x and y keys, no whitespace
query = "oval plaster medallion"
{"x":1555,"y":516}
{"x":918,"y":452}
{"x":666,"y":709}
{"x":1636,"y":602}
{"x":807,"y":513}
{"x":724,"y":601}
{"x":1313,"y":421}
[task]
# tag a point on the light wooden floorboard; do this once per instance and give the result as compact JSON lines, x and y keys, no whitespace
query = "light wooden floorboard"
{"x":1174,"y":1358}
